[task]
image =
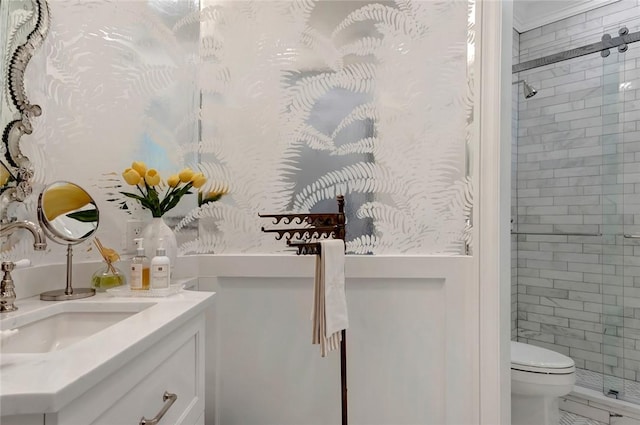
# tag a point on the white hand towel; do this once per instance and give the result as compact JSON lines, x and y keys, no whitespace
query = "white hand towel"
{"x":329,"y":301}
{"x":335,"y":300}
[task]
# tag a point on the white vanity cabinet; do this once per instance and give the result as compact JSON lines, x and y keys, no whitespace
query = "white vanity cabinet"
{"x":174,"y":365}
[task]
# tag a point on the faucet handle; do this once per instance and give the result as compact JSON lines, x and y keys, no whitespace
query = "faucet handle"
{"x":7,"y":292}
{"x":8,"y":266}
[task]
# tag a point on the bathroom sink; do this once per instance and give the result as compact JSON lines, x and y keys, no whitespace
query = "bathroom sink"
{"x":61,"y":325}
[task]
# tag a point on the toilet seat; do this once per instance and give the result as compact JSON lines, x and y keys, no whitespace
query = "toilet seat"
{"x":544,"y":370}
{"x":532,"y":359}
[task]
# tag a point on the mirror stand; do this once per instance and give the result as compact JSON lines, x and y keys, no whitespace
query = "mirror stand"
{"x":68,"y":293}
{"x":68,"y":216}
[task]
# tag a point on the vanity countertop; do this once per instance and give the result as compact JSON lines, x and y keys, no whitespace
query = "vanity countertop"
{"x":46,"y":382}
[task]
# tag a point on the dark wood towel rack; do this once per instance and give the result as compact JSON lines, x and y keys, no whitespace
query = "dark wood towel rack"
{"x":318,"y":226}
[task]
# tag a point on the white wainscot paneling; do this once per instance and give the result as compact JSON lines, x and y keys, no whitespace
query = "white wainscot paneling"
{"x":411,"y":345}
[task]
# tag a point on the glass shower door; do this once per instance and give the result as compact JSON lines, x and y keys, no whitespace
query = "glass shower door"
{"x":621,"y":220}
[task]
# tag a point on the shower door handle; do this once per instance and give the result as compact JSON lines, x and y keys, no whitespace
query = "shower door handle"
{"x":628,"y":236}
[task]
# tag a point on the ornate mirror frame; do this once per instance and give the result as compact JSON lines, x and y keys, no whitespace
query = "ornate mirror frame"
{"x":20,"y":169}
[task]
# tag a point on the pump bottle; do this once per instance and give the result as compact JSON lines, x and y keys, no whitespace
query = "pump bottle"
{"x":160,"y":268}
{"x":139,"y":269}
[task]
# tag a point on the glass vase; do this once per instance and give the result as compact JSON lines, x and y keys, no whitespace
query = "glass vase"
{"x":152,"y":233}
{"x":107,"y":277}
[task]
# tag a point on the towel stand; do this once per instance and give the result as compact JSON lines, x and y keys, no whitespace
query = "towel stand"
{"x":319,"y":226}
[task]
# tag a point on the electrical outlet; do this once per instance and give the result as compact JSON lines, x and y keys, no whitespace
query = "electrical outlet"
{"x":134,"y":230}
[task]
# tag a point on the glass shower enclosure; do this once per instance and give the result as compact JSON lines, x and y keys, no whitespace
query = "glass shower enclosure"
{"x":621,"y":222}
{"x":576,"y":206}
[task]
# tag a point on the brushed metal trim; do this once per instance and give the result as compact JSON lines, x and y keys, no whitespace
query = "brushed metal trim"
{"x":604,"y":45}
{"x":556,"y":234}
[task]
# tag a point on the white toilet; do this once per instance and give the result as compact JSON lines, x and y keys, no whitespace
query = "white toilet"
{"x":538,"y":377}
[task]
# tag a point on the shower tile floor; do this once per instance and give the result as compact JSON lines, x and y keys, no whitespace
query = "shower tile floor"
{"x":567,"y":418}
{"x":595,"y":381}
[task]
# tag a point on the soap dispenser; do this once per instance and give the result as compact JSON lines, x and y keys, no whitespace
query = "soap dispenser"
{"x":139,"y":268}
{"x":160,"y":268}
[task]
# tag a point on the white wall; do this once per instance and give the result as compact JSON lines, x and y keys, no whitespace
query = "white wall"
{"x":269,"y":373}
{"x":412,"y":347}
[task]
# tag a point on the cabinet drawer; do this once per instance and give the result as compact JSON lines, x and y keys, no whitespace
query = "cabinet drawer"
{"x":176,"y":375}
{"x":175,"y":365}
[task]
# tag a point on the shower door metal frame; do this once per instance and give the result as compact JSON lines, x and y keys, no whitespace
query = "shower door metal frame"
{"x":621,"y":42}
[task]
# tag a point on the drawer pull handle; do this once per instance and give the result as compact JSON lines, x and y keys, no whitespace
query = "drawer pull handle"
{"x":169,"y":399}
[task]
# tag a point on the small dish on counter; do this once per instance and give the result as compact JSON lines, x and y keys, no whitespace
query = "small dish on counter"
{"x":125,"y":291}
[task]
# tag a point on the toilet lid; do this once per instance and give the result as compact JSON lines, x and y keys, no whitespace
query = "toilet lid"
{"x":531,"y":356}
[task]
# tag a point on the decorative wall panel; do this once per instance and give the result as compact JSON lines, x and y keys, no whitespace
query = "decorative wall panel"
{"x":306,"y":100}
{"x":116,"y":84}
{"x":285,"y":104}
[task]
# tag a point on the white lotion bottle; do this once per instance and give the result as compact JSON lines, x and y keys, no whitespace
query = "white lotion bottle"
{"x":160,"y":268}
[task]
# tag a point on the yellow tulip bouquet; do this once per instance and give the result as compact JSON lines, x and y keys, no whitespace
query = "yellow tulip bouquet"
{"x":149,"y":185}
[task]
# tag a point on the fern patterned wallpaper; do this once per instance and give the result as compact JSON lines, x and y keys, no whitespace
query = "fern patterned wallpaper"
{"x":286,"y":103}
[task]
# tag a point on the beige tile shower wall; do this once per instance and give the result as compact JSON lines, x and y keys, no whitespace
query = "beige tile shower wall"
{"x":576,"y":156}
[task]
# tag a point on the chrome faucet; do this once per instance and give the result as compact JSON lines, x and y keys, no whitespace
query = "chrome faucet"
{"x":39,"y":240}
{"x":7,"y":291}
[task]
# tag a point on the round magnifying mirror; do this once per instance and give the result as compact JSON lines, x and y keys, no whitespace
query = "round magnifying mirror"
{"x":68,"y":215}
{"x":67,"y":212}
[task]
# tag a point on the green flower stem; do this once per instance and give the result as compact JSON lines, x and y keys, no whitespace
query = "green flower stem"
{"x":151,"y":201}
{"x":144,"y":195}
